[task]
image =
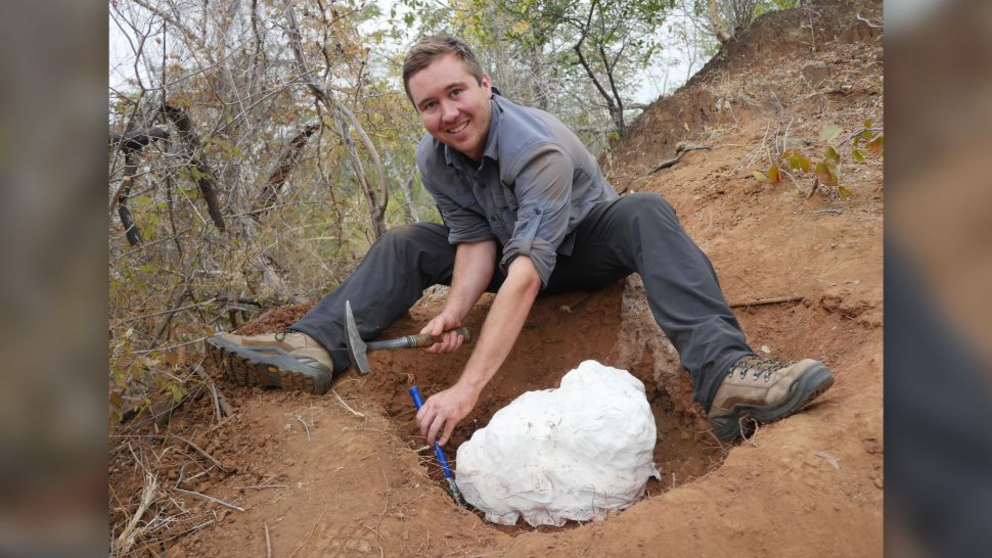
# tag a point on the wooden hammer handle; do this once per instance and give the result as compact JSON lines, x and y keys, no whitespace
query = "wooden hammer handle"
{"x":426,"y":339}
{"x":414,"y":341}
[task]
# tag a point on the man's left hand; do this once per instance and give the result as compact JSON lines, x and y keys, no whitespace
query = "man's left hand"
{"x":442,"y":412}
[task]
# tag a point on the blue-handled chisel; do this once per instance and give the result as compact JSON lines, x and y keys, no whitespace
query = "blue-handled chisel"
{"x":448,"y":475}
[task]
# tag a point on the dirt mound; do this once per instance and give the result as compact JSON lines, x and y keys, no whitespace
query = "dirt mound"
{"x":347,"y":474}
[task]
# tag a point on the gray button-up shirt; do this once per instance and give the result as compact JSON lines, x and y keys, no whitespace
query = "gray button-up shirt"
{"x":536,"y":183}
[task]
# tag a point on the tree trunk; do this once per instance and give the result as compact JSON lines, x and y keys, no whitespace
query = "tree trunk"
{"x":717,"y":23}
{"x":410,"y":207}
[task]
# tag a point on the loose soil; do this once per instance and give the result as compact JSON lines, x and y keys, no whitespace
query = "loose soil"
{"x":347,"y":474}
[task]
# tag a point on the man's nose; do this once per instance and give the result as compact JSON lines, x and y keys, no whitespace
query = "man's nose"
{"x":448,"y":112}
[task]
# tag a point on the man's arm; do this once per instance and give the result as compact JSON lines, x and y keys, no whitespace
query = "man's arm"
{"x":475,"y":263}
{"x":441,"y":412}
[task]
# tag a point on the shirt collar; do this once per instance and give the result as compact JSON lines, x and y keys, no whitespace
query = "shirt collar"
{"x":454,"y":157}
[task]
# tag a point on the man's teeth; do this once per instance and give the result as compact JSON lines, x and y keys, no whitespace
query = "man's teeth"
{"x":458,"y":129}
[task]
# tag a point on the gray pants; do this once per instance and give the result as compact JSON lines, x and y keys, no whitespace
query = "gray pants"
{"x":636,"y":233}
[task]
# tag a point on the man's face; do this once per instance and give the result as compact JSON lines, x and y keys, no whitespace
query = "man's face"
{"x":454,"y":108}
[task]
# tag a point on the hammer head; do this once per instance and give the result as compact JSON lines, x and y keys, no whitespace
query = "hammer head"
{"x":356,"y":347}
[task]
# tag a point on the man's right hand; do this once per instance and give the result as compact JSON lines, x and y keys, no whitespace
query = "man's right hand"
{"x":443,"y":323}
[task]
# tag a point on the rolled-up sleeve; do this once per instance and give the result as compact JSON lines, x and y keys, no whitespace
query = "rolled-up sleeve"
{"x":543,"y":189}
{"x":463,"y":224}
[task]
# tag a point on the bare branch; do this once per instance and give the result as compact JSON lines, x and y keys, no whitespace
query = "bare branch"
{"x":204,"y":176}
{"x":344,"y":117}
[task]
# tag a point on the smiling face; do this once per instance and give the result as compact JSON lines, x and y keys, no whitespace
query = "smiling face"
{"x":454,"y":107}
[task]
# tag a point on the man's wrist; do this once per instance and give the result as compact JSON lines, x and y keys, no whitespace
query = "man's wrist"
{"x":471,"y":385}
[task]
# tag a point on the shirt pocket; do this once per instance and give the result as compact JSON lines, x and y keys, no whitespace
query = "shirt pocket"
{"x":505,"y":200}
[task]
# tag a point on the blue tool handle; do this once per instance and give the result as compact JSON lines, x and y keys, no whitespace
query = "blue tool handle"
{"x":419,"y":402}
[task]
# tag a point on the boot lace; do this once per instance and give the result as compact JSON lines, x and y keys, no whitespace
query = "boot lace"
{"x":756,"y":366}
{"x":280,"y":335}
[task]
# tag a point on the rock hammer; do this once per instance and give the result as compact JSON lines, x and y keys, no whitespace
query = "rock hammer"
{"x":358,"y":349}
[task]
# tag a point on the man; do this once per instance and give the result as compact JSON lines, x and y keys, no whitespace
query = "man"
{"x":526,"y":212}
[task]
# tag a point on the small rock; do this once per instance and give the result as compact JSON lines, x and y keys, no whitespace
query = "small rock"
{"x":879,"y":483}
{"x":765,"y":349}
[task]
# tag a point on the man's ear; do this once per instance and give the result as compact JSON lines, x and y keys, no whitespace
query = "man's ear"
{"x":487,"y":85}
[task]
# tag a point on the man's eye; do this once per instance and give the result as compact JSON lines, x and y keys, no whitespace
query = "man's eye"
{"x":456,"y":92}
{"x":430,"y":105}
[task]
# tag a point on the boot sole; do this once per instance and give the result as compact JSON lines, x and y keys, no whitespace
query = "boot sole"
{"x":807,"y":387}
{"x":272,"y":367}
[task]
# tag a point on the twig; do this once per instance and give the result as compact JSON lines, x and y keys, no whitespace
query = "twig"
{"x":749,"y":439}
{"x":312,"y":529}
{"x":354,"y":412}
{"x":170,"y":347}
{"x":305,"y":427}
{"x":765,"y":301}
{"x":222,"y":407}
{"x":209,"y":497}
{"x":261,"y":486}
{"x":858,"y":133}
{"x":868,"y":22}
{"x":268,"y":542}
{"x":202,"y":452}
{"x":172,"y":311}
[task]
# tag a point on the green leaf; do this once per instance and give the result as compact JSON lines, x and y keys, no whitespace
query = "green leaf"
{"x":832,"y":155}
{"x":867,"y":123}
{"x":830,"y":132}
{"x":760,"y":176}
{"x":858,"y":155}
{"x":844,"y":193}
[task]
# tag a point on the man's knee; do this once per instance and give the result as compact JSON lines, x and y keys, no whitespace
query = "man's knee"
{"x":415,"y":238}
{"x":648,"y":205}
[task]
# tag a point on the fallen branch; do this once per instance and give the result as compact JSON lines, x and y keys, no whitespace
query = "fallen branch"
{"x":766,"y":301}
{"x":268,"y":542}
{"x":681,"y":150}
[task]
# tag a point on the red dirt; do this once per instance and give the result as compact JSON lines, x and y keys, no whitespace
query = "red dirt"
{"x":359,"y":481}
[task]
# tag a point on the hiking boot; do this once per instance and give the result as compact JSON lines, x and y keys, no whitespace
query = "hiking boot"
{"x":288,"y":360}
{"x":764,"y":390}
